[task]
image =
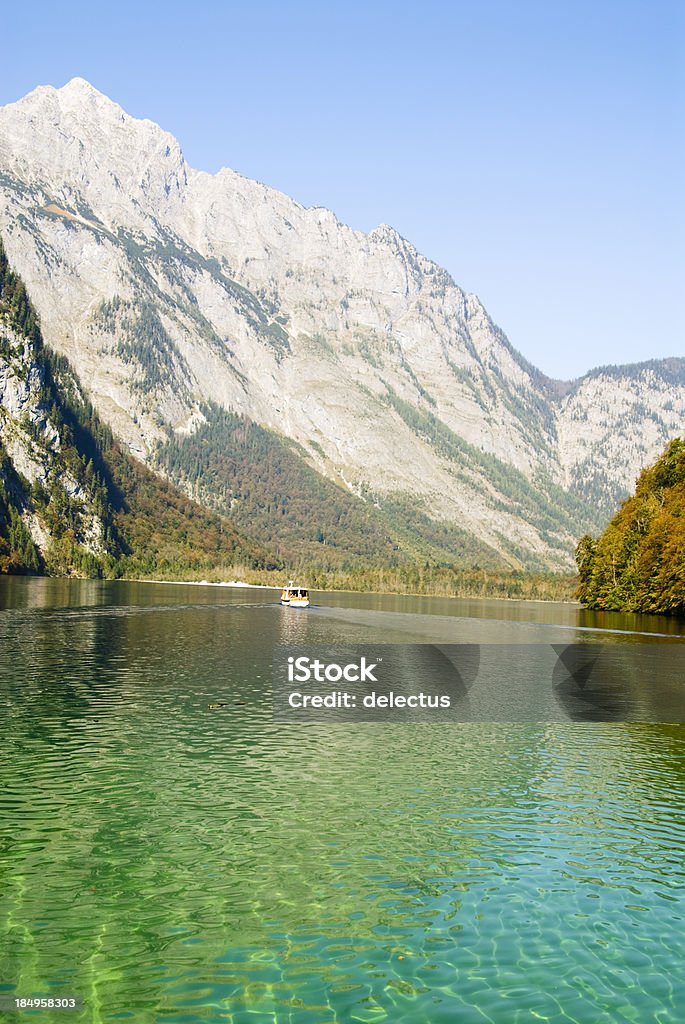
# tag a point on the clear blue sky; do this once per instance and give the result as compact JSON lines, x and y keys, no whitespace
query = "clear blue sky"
{"x":534,"y":149}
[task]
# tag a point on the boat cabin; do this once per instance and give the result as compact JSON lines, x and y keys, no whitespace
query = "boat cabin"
{"x":295,"y":597}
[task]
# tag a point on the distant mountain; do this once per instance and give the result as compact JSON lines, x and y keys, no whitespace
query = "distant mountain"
{"x":183,"y":298}
{"x":614,"y":421}
{"x":638,"y":563}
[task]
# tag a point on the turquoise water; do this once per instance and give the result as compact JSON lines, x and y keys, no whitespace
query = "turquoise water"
{"x":164,"y":861}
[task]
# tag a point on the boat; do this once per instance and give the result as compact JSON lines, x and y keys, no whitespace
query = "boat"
{"x":295,"y":597}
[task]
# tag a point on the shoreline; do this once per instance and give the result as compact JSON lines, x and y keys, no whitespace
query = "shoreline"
{"x":203,"y":583}
{"x":235,"y":584}
{"x":238,"y":584}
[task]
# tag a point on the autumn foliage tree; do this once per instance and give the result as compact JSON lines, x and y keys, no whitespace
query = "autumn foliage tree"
{"x":638,"y":563}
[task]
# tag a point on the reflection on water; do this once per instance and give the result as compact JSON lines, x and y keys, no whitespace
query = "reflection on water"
{"x":293,"y":623}
{"x":170,"y":862}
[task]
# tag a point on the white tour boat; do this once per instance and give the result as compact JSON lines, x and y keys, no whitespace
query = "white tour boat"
{"x":295,"y":597}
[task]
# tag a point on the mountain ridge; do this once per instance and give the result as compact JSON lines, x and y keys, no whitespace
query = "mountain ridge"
{"x":169,"y":288}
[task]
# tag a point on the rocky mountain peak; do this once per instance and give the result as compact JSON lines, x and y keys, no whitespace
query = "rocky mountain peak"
{"x":75,"y":142}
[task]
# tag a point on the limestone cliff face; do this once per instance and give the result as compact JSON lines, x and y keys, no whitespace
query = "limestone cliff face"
{"x":41,"y":480}
{"x":167,"y":287}
{"x":614,"y":422}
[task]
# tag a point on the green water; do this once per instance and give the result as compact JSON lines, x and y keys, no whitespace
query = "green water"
{"x":166,"y":862}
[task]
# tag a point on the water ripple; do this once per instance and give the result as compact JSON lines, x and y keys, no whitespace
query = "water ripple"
{"x":167,"y":862}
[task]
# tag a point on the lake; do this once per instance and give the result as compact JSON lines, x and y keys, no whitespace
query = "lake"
{"x":165,"y":861}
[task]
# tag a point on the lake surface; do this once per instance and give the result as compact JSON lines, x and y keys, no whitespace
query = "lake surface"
{"x":164,"y":861}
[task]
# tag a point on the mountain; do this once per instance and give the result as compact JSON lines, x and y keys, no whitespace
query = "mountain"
{"x":181,"y":298}
{"x":638,"y":563}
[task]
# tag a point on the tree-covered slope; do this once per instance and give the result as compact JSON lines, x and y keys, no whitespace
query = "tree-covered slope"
{"x":638,"y":563}
{"x":266,"y":486}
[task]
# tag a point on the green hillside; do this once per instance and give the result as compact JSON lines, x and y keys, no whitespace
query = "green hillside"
{"x":264,"y":484}
{"x":638,"y":563}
